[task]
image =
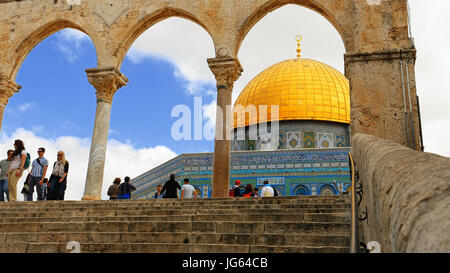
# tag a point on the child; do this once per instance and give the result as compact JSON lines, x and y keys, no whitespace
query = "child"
{"x":45,"y":188}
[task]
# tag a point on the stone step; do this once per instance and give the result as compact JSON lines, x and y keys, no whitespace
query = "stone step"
{"x":204,"y":226}
{"x":216,"y":200}
{"x":308,"y":217}
{"x":311,"y":206}
{"x":125,"y":213}
{"x":118,"y":204}
{"x":267,"y":200}
{"x":176,"y":237}
{"x":164,"y":248}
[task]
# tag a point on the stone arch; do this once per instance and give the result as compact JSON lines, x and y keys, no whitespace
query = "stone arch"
{"x":37,"y":36}
{"x":272,"y":5}
{"x":301,"y":189}
{"x":149,"y":21}
{"x":326,"y":187}
{"x":198,"y":190}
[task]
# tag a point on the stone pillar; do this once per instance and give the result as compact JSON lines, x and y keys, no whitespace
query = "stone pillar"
{"x":226,"y":70}
{"x":106,"y":81}
{"x":377,"y":98}
{"x":7,"y":89}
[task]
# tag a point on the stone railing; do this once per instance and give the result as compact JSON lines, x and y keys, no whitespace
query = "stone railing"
{"x":406,"y":194}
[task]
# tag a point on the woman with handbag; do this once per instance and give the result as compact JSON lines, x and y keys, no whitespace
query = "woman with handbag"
{"x":58,"y":179}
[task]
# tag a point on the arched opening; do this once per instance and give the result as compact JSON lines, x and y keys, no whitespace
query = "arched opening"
{"x":169,"y":80}
{"x":301,"y":190}
{"x":146,"y":23}
{"x":278,"y":190}
{"x":271,"y":6}
{"x":271,"y":39}
{"x":56,"y":105}
{"x":39,"y":35}
{"x":199,"y":192}
{"x":327,"y":190}
{"x":310,"y":91}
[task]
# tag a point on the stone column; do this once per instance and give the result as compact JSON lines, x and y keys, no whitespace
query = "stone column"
{"x":377,"y":98}
{"x":226,"y":70}
{"x":7,"y":89}
{"x":106,"y":81}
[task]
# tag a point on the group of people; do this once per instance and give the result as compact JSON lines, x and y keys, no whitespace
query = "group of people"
{"x":121,"y":191}
{"x":249,"y":191}
{"x":171,"y":188}
{"x":18,"y":161}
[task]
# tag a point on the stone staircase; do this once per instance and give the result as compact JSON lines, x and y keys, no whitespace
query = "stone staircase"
{"x":239,"y":225}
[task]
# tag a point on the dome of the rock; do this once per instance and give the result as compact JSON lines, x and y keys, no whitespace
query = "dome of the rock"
{"x":303,"y":89}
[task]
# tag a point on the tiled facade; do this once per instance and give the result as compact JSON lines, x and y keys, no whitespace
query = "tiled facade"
{"x":292,"y":135}
{"x":290,"y":172}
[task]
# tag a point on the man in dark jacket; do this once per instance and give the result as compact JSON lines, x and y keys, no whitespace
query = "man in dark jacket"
{"x":236,"y":188}
{"x":170,"y":188}
{"x":125,"y":189}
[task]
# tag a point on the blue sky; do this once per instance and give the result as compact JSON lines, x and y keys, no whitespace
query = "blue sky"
{"x":167,"y":66}
{"x":57,"y":99}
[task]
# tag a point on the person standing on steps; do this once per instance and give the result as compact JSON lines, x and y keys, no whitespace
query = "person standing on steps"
{"x":235,"y":190}
{"x":58,"y":179}
{"x":37,"y":175}
{"x":171,"y":187}
{"x":267,"y":190}
{"x":158,"y":194}
{"x":187,"y":191}
{"x":249,"y":191}
{"x":113,"y":191}
{"x":125,"y":189}
{"x":4,"y":166}
{"x":45,"y":189}
{"x":15,"y":171}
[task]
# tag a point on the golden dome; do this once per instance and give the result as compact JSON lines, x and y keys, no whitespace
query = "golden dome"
{"x":304,"y":89}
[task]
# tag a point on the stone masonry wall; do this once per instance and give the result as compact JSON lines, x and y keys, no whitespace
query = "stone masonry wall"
{"x":407,"y":195}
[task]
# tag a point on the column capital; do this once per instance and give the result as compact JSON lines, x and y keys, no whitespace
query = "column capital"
{"x":106,"y":81}
{"x":7,"y":89}
{"x":226,"y":70}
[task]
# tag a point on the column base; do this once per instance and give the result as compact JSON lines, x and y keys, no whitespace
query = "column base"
{"x":91,"y":198}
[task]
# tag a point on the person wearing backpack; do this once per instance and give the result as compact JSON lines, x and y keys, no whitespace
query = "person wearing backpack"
{"x":235,"y":191}
{"x":37,"y":175}
{"x":20,"y":161}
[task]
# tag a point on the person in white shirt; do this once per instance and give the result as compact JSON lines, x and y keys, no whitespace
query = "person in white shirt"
{"x":187,"y":191}
{"x":267,"y":190}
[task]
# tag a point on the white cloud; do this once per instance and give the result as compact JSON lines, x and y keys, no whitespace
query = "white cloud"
{"x":121,"y":159}
{"x":69,"y":42}
{"x":25,"y":106}
{"x":185,"y":45}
